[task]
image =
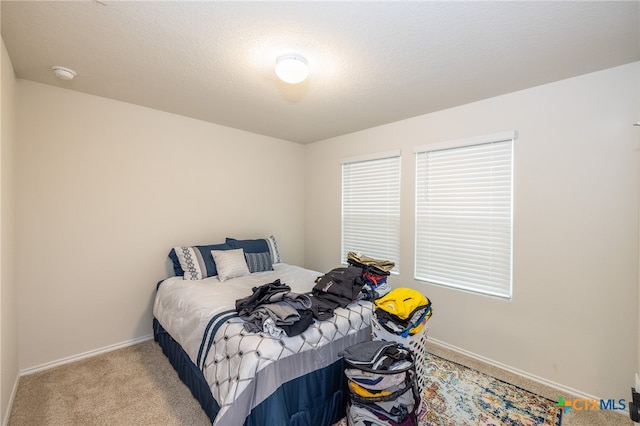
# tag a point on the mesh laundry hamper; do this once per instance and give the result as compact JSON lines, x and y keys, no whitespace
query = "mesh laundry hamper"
{"x":417,"y":344}
{"x":382,"y":383}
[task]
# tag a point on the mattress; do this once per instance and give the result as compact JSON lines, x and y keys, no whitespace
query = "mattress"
{"x":247,"y":371}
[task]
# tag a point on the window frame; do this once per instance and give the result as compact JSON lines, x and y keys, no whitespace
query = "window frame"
{"x":390,"y":250}
{"x":496,"y":287}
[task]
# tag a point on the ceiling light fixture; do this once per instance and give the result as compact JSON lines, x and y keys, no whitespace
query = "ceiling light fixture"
{"x":63,"y":73}
{"x":292,"y":69}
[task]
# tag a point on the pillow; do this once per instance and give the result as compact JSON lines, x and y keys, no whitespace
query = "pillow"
{"x":260,"y":245}
{"x":177,"y":269}
{"x":258,"y":262}
{"x":273,"y":249}
{"x":230,"y":263}
{"x":196,"y":262}
{"x":249,"y":246}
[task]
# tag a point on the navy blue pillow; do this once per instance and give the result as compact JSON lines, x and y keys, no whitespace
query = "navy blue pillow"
{"x":249,"y":246}
{"x":207,"y":258}
{"x":177,"y":269}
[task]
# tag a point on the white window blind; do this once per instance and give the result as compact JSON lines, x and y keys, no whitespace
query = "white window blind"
{"x":371,"y":207}
{"x":464,"y":214}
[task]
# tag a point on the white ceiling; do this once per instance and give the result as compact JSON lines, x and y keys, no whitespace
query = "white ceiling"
{"x":371,"y":62}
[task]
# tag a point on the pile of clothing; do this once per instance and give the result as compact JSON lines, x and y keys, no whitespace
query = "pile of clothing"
{"x":403,"y":311}
{"x":337,"y":288}
{"x":274,"y":309}
{"x":381,"y":378}
{"x":364,"y":278}
{"x":374,"y":274}
{"x":401,"y":316}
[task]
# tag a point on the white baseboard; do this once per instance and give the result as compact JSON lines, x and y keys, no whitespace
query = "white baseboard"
{"x":7,"y":414}
{"x":564,"y":390}
{"x":83,"y":355}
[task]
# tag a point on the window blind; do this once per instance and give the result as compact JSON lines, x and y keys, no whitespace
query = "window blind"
{"x":371,"y":208}
{"x":464,"y":215}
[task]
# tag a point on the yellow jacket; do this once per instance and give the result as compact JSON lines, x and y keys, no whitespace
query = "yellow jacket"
{"x":402,"y":302}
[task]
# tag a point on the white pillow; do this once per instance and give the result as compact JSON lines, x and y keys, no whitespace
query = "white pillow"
{"x":230,"y":263}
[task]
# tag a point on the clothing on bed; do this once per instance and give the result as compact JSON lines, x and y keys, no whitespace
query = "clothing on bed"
{"x":336,"y":289}
{"x":375,"y":286}
{"x":260,"y":295}
{"x":298,"y":327}
{"x":247,"y":372}
{"x":274,"y":309}
{"x":377,"y":266}
{"x":375,"y":273}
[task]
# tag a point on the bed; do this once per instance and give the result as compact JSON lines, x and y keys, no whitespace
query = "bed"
{"x":244,"y":378}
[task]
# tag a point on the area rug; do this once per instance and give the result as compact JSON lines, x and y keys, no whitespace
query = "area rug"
{"x":458,"y":395}
{"x":455,"y":395}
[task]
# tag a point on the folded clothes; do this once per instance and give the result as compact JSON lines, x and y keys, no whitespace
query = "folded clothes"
{"x":360,"y":416}
{"x":396,"y":409}
{"x":402,"y":302}
{"x":382,"y":382}
{"x":298,"y":327}
{"x":368,"y":393}
{"x":365,"y":355}
{"x":374,"y":381}
{"x":270,"y":327}
{"x":377,"y":265}
{"x":408,"y":327}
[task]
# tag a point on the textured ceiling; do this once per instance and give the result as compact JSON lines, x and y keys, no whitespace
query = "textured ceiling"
{"x":371,"y":62}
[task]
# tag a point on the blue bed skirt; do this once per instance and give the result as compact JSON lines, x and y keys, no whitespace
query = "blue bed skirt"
{"x":315,"y":399}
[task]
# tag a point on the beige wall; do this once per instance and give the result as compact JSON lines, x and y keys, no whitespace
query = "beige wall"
{"x":8,"y":289}
{"x":573,"y":319}
{"x":106,"y":188}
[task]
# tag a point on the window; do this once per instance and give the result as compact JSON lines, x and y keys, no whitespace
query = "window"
{"x":371,"y":207}
{"x":464,"y":214}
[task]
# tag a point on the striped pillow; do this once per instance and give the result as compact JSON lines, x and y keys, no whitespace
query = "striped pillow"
{"x":273,"y":248}
{"x":259,"y":262}
{"x":195,"y":262}
{"x":257,"y":246}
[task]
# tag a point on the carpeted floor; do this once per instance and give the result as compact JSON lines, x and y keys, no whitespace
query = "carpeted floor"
{"x":138,"y":386}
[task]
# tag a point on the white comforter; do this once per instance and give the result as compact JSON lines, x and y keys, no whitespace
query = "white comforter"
{"x":239,"y":366}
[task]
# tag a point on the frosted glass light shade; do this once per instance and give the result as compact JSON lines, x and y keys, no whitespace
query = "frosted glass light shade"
{"x":292,"y":69}
{"x":63,"y":73}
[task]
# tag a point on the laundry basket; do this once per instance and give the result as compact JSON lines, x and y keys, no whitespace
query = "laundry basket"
{"x":382,"y":383}
{"x":416,"y":343}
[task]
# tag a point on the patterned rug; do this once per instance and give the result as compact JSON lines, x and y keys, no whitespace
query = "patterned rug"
{"x":456,"y":395}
